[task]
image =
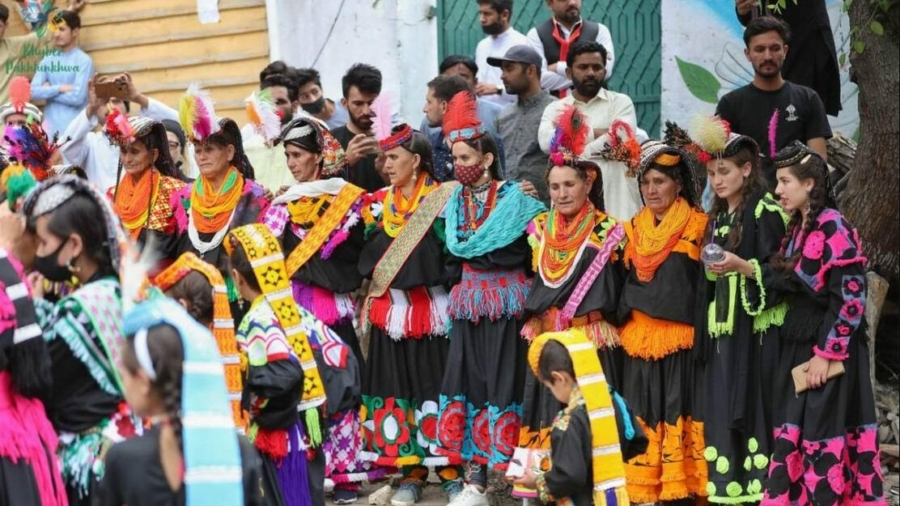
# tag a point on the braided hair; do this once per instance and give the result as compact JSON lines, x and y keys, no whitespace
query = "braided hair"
{"x":755,"y":184}
{"x":167,"y":356}
{"x":196,"y":289}
{"x":804,"y":164}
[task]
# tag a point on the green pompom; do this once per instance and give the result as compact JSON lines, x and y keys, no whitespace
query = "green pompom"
{"x":722,"y":465}
{"x":710,"y":488}
{"x":734,"y":489}
{"x":754,"y":487}
{"x":710,"y":454}
{"x":748,"y":464}
{"x":760,"y":461}
{"x":753,"y":445}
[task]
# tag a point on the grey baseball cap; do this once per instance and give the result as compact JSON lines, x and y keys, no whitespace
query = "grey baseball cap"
{"x":518,"y":54}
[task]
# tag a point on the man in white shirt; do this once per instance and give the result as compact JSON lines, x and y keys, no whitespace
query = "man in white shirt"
{"x":494,"y":17}
{"x":553,"y":38}
{"x":586,"y":61}
{"x":89,"y":148}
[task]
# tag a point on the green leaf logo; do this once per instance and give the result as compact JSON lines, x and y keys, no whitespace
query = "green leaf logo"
{"x":699,"y":81}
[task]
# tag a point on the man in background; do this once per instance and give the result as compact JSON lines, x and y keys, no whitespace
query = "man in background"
{"x":313,"y":101}
{"x":495,"y":16}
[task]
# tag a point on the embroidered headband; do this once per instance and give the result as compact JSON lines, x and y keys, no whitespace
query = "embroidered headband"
{"x":609,"y":472}
{"x":401,"y":134}
{"x":212,"y":458}
{"x":334,"y":159}
{"x":673,"y":158}
{"x":51,"y":194}
{"x":222,"y":325}
{"x":461,"y":122}
{"x":265,"y":255}
{"x":797,"y":153}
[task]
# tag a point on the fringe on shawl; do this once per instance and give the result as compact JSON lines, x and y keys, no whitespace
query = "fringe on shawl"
{"x":652,"y":339}
{"x":489,"y":294}
{"x":413,"y":314}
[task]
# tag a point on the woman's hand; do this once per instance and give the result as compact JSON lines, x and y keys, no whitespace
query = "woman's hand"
{"x":817,"y":371}
{"x":527,"y":480}
{"x":528,"y":188}
{"x":37,"y":284}
{"x":732,"y":263}
{"x":12,"y":226}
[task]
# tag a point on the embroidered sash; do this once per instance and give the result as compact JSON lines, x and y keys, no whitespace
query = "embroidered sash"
{"x":410,"y":237}
{"x":613,"y":238}
{"x":319,"y":233}
{"x":103,"y":307}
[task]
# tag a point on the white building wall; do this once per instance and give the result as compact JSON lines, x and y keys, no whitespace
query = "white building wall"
{"x":397,"y":36}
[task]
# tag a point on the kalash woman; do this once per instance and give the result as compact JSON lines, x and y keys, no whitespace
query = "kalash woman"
{"x":735,"y":333}
{"x":143,"y":196}
{"x":659,"y":377}
{"x":826,"y":438}
{"x":78,"y":234}
{"x":577,"y":252}
{"x":29,"y":468}
{"x":485,"y":229}
{"x":318,"y":221}
{"x":406,"y":306}
{"x":223,"y":197}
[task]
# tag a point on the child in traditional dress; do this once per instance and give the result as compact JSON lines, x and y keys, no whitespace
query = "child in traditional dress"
{"x":283,"y":390}
{"x":191,"y":454}
{"x":585,"y":457}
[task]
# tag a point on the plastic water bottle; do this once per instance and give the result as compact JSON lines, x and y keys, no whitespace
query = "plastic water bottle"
{"x":712,"y":253}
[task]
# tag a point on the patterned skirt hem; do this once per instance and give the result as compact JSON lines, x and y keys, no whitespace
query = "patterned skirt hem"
{"x":408,"y":461}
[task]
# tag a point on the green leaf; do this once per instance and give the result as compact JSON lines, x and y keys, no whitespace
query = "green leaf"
{"x":876,"y":27}
{"x":859,"y":46}
{"x":842,"y":59}
{"x":699,"y":81}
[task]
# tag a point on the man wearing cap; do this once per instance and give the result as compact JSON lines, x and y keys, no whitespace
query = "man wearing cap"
{"x":495,"y":16}
{"x":518,"y":123}
{"x":553,"y":38}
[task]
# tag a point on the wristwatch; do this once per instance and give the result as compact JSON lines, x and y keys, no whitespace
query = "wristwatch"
{"x":499,"y":89}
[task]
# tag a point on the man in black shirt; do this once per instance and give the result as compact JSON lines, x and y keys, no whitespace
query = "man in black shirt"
{"x":361,"y":86}
{"x":752,"y":108}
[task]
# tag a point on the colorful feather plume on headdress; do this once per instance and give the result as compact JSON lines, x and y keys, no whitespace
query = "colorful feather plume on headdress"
{"x":381,"y":120}
{"x":19,"y":93}
{"x":30,"y":147}
{"x":461,"y":120}
{"x":710,"y":134}
{"x":197,"y":114}
{"x":622,"y":146}
{"x":118,"y":129}
{"x":262,"y":113}
{"x":570,"y":138}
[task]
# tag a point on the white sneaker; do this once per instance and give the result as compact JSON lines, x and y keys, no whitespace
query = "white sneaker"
{"x":470,"y":496}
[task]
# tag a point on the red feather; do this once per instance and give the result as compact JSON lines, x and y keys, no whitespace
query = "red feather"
{"x":19,"y":92}
{"x":462,"y":112}
{"x":572,"y":132}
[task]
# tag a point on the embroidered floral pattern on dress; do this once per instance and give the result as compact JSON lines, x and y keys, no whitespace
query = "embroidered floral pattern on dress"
{"x":840,"y":470}
{"x":486,"y":435}
{"x":848,"y":320}
{"x":396,"y":432}
{"x":833,"y":243}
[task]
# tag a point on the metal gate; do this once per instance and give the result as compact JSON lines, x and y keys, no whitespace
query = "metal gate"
{"x":636,"y":32}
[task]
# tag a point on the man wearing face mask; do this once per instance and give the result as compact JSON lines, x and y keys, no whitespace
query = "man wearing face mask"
{"x":495,"y":16}
{"x":586,"y":68}
{"x":313,"y":101}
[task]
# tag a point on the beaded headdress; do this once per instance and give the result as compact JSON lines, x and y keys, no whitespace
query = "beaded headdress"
{"x":20,"y":101}
{"x":674,"y":160}
{"x":334,"y":159}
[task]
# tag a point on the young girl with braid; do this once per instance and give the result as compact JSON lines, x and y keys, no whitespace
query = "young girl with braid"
{"x":191,"y":454}
{"x":825,"y":436}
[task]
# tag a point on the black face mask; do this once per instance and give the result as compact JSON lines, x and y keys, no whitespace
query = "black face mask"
{"x":314,"y":107}
{"x":49,"y":266}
